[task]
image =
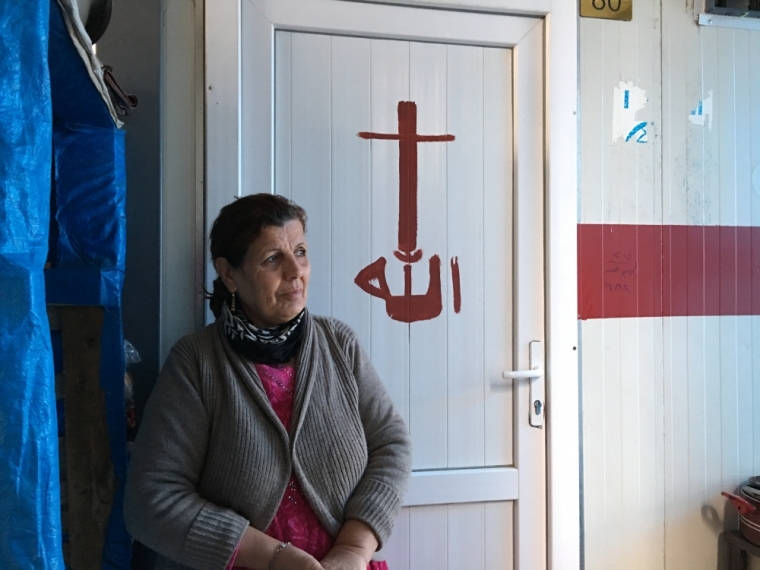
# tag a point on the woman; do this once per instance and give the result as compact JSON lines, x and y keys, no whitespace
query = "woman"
{"x":268,"y":442}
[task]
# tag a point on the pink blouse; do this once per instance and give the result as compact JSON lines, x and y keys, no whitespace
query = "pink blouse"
{"x":295,"y":520}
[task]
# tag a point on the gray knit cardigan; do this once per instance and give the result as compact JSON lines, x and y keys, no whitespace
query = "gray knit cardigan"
{"x":212,"y":457}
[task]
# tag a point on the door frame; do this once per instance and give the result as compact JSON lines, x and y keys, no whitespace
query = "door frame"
{"x":228,"y":157}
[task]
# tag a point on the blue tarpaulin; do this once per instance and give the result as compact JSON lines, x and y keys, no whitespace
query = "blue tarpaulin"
{"x":88,"y":254}
{"x":30,"y":528}
{"x":53,"y":119}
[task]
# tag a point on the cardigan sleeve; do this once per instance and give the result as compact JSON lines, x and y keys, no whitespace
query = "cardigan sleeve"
{"x":162,"y":507}
{"x":377,"y":498}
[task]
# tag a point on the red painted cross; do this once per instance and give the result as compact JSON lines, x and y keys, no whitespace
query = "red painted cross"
{"x":408,"y":308}
{"x":407,"y":138}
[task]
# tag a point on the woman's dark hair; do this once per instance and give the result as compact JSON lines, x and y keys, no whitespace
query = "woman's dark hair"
{"x":238,"y":225}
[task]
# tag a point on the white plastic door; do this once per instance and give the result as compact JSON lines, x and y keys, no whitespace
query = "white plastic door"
{"x":441,"y":274}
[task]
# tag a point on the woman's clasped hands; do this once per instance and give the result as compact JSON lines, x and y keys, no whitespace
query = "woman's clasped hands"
{"x":293,"y":558}
{"x":344,"y":558}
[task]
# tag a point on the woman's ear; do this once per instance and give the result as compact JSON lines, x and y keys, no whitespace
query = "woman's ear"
{"x":224,"y":269}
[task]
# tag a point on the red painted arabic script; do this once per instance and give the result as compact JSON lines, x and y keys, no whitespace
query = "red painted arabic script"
{"x":408,"y":308}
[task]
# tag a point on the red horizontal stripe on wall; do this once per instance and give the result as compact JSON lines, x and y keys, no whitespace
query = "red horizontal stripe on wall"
{"x":667,"y":271}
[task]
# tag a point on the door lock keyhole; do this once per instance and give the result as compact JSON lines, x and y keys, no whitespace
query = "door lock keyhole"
{"x":537,"y":405}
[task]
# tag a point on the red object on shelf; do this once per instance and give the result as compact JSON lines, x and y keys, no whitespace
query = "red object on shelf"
{"x":749,"y":517}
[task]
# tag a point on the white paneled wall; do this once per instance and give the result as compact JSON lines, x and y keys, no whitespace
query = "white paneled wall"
{"x":622,"y":374}
{"x":671,"y":405}
{"x":620,"y":183}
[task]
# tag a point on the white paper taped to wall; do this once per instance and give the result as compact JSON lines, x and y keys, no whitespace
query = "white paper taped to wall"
{"x":703,"y":111}
{"x":627,"y":100}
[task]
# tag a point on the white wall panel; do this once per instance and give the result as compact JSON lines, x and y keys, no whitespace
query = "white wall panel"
{"x":726,"y":128}
{"x":639,"y":188}
{"x":684,"y":388}
{"x":593,"y":376}
{"x":708,"y":155}
{"x":713,"y":504}
{"x":745,"y":392}
{"x":682,"y":141}
{"x":754,"y":126}
{"x":696,"y":377}
{"x":712,"y":484}
{"x":611,"y":424}
{"x":596,"y":122}
{"x":756,"y":395}
{"x":744,"y":104}
{"x":729,"y":403}
{"x":623,"y":483}
{"x":620,"y":182}
{"x":703,"y":170}
{"x":651,"y":445}
{"x":640,"y":452}
{"x":676,"y":424}
{"x":621,"y":359}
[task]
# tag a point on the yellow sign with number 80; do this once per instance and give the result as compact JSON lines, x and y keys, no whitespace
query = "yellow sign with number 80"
{"x":608,"y":9}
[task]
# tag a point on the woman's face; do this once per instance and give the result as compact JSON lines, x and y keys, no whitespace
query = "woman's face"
{"x":272,"y":282}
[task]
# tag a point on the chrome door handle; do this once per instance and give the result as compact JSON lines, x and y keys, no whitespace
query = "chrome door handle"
{"x":536,"y":377}
{"x":523,"y":374}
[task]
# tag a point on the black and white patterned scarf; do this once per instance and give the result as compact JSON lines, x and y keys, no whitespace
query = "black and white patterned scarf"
{"x":273,"y":345}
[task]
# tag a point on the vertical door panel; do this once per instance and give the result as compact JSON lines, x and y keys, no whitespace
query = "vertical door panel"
{"x":351,"y":176}
{"x":464,"y":88}
{"x":390,"y":339}
{"x":467,"y":531}
{"x":497,"y":246}
{"x":455,"y":537}
{"x":499,"y":523}
{"x":428,"y":339}
{"x":310,"y":148}
{"x":397,"y":549}
{"x":283,"y":121}
{"x":428,"y":536}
